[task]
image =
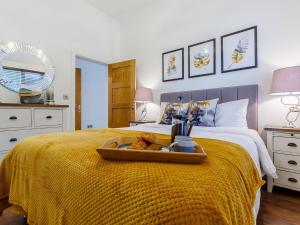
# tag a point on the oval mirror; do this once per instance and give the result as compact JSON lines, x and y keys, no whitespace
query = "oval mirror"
{"x":24,"y":68}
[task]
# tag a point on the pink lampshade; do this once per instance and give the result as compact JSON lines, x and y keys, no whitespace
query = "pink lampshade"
{"x":286,"y":81}
{"x":143,"y":95}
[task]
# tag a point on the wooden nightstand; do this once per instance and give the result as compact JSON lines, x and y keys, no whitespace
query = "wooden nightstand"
{"x":138,"y":122}
{"x":284,"y":148}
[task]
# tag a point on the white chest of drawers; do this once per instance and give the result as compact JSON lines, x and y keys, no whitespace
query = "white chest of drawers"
{"x":284,"y":148}
{"x":18,"y":121}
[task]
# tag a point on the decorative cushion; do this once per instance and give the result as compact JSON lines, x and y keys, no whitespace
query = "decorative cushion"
{"x":202,"y":113}
{"x":172,"y":109}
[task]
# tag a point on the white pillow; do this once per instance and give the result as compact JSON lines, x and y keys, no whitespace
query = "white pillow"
{"x":232,"y":114}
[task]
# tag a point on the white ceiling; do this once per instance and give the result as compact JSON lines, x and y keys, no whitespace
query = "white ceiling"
{"x":115,"y":8}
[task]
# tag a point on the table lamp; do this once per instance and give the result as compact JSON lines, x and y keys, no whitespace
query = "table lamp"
{"x":286,"y":82}
{"x":143,"y":95}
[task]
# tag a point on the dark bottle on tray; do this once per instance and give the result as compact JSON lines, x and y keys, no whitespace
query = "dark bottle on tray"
{"x":180,"y":123}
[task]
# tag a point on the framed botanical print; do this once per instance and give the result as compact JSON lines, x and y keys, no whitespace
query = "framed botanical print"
{"x":173,"y":65}
{"x":239,"y":50}
{"x":202,"y":59}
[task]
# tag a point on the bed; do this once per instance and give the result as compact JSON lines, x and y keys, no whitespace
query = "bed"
{"x":60,"y":179}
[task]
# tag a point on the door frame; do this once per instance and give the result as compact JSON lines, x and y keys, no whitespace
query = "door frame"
{"x":78,"y":94}
{"x":77,"y":54}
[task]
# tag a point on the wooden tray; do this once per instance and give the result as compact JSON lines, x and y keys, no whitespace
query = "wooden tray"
{"x":109,"y":153}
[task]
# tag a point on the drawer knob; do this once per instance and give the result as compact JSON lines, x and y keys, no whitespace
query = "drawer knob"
{"x":292,"y":162}
{"x":294,"y":145}
{"x":293,"y":180}
{"x":48,"y":117}
{"x":13,"y":140}
{"x":13,"y":118}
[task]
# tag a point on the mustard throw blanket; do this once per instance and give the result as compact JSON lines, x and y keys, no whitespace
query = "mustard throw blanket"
{"x":60,"y":179}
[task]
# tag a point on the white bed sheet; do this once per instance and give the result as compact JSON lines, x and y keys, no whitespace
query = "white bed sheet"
{"x":247,"y":138}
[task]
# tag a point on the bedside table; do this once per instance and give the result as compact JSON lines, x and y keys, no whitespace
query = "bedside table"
{"x":138,"y":122}
{"x":284,"y":148}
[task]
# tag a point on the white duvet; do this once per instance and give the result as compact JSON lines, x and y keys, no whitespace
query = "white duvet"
{"x":247,"y":138}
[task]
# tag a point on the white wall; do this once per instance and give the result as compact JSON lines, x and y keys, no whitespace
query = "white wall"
{"x":94,"y":99}
{"x":171,"y":24}
{"x":61,"y":29}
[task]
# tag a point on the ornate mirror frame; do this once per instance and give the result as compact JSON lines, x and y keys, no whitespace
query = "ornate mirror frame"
{"x":15,"y":47}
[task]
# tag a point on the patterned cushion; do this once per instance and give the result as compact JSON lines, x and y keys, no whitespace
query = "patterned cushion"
{"x":170,"y":110}
{"x":202,"y":113}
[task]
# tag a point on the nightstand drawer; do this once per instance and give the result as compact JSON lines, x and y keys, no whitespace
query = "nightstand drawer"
{"x":288,"y":179}
{"x":286,"y":134}
{"x":287,"y":161}
{"x":286,"y":144}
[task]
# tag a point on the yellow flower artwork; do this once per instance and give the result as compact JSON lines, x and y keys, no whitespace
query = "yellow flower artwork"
{"x":239,"y":50}
{"x":172,"y":65}
{"x":202,"y":59}
{"x":238,"y":53}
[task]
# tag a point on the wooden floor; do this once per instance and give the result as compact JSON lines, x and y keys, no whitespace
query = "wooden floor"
{"x":282,"y":207}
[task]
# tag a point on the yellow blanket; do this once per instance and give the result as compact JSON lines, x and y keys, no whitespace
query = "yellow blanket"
{"x":59,"y":179}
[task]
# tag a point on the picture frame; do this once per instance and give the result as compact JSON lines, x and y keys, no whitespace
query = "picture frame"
{"x":239,"y":50}
{"x":202,"y":59}
{"x":173,"y":65}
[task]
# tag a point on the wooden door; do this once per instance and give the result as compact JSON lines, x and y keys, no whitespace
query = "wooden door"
{"x":78,"y":99}
{"x":121,"y":91}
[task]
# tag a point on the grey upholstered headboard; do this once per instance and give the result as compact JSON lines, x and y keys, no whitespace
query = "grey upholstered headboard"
{"x":226,"y":94}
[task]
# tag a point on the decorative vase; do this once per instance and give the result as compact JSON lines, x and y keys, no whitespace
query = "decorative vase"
{"x":50,"y":96}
